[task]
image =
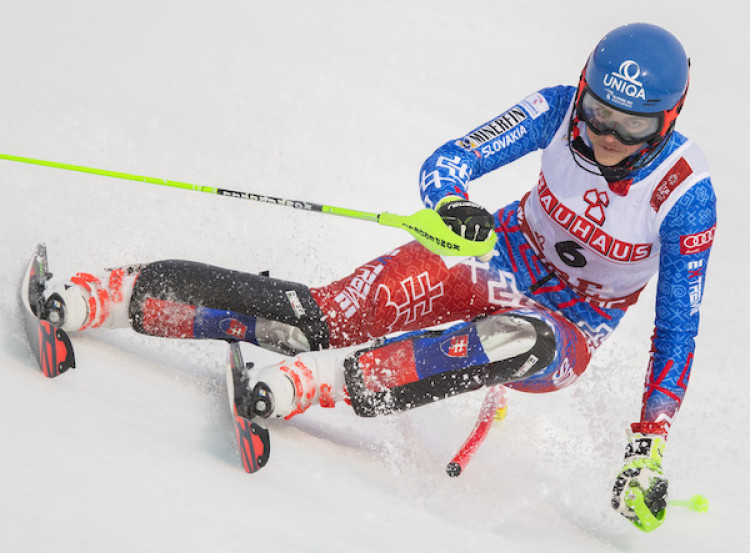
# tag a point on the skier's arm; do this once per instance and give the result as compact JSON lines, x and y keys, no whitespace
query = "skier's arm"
{"x":686,"y":236}
{"x":526,"y":127}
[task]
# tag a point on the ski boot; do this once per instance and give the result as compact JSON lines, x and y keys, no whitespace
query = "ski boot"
{"x":289,"y":387}
{"x":87,"y":301}
{"x":281,"y":390}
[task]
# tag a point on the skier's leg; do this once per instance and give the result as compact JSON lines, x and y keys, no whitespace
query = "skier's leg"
{"x":90,"y":301}
{"x":409,"y":289}
{"x":184,"y":299}
{"x":406,"y":289}
{"x":529,"y":349}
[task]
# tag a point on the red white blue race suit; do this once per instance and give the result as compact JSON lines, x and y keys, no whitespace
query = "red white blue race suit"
{"x":574,"y":252}
{"x":595,"y":244}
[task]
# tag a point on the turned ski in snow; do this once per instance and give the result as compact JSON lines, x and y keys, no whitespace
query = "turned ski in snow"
{"x":252,"y":439}
{"x":50,"y":345}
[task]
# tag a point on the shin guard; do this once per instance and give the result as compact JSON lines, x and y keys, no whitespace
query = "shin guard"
{"x":191,"y":300}
{"x":429,"y":366}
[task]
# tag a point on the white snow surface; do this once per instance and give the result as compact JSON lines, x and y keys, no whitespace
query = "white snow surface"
{"x":336,"y":102}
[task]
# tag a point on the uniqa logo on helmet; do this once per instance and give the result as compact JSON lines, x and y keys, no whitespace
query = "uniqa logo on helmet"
{"x":623,"y":84}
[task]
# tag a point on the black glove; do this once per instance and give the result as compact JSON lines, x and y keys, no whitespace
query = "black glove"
{"x":465,"y":218}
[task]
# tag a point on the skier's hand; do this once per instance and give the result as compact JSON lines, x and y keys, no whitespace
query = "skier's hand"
{"x":640,"y":490}
{"x":465,"y":218}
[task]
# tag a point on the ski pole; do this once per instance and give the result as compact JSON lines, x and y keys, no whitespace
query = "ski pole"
{"x":426,"y":226}
{"x":698,"y":503}
{"x":648,"y":521}
{"x":492,"y":410}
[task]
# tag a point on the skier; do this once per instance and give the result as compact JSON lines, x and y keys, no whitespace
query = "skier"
{"x":621,"y":197}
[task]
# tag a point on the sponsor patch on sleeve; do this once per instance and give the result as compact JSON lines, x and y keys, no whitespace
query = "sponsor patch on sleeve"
{"x":695,"y":279}
{"x":696,"y":243}
{"x":535,"y":105}
{"x":491,"y":130}
{"x":677,"y":174}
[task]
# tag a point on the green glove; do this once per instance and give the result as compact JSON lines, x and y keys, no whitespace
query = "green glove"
{"x":640,"y":490}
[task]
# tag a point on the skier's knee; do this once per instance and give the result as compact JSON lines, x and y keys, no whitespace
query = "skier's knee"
{"x":516,"y":345}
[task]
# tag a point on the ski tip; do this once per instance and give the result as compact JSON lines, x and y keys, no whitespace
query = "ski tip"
{"x":453,"y":469}
{"x":50,"y":345}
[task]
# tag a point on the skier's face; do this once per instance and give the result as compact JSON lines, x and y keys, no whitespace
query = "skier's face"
{"x":608,"y":150}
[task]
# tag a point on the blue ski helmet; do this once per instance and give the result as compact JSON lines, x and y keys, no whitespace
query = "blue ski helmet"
{"x":640,"y":69}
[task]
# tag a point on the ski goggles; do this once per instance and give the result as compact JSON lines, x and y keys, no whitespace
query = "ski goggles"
{"x":629,"y":128}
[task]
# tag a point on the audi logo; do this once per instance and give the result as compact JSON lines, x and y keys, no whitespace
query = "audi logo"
{"x":699,"y":240}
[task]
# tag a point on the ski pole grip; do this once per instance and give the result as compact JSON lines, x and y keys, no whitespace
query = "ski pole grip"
{"x":431,"y":231}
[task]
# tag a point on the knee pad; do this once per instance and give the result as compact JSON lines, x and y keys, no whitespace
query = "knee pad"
{"x":516,"y":345}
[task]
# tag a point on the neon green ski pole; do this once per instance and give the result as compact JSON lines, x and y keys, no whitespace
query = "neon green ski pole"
{"x":647,"y":521}
{"x":426,"y":226}
{"x":697,"y":503}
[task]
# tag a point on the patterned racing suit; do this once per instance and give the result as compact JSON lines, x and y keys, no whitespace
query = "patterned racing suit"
{"x":573,"y":253}
{"x":595,"y":243}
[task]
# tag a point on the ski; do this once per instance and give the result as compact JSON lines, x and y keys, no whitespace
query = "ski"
{"x":51,"y":346}
{"x":252,"y":439}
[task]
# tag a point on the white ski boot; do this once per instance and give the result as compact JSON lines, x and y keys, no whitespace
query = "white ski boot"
{"x":290,"y":387}
{"x":87,"y":301}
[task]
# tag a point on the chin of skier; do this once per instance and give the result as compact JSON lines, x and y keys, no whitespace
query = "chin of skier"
{"x":621,"y":197}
